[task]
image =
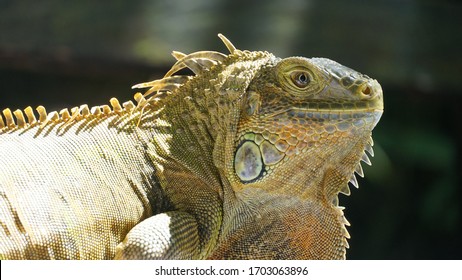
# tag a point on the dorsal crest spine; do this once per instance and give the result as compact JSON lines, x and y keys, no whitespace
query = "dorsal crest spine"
{"x":197,"y":62}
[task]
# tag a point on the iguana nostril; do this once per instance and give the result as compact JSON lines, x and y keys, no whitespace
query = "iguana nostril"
{"x":366,"y":90}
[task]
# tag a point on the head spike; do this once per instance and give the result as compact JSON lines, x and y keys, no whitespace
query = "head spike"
{"x":345,"y":221}
{"x":75,"y":114}
{"x":95,"y":111}
{"x":369,"y":149}
{"x":84,"y":110}
{"x":128,"y":106}
{"x":366,"y":159}
{"x":64,"y":113}
{"x":193,"y":66}
{"x":231,"y":48}
{"x":178,"y":55}
{"x":359,"y":170}
{"x":345,"y":232}
{"x":140,"y":100}
{"x":9,"y":118}
{"x":42,"y":113}
{"x":158,"y":84}
{"x":182,"y":63}
{"x":21,"y":121}
{"x":166,"y":84}
{"x":345,"y":243}
{"x":30,"y":115}
{"x":115,"y":105}
{"x":353,"y":181}
{"x":106,"y":109}
{"x":345,"y":190}
{"x":196,"y":65}
{"x":53,"y":117}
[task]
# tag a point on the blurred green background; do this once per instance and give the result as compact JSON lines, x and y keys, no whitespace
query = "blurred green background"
{"x":66,"y":53}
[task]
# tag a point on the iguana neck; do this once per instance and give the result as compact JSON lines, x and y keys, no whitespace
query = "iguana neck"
{"x":257,"y":218}
{"x":201,"y":116}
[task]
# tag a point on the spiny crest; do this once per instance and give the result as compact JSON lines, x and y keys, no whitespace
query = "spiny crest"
{"x":346,"y":189}
{"x":197,"y":62}
{"x":358,"y":170}
{"x":15,"y":120}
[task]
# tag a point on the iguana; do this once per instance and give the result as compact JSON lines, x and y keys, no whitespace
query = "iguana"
{"x":243,"y":158}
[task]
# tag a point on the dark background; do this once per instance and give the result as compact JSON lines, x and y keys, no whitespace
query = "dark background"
{"x":66,"y":53}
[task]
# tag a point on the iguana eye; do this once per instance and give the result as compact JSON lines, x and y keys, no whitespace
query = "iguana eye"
{"x":301,"y":79}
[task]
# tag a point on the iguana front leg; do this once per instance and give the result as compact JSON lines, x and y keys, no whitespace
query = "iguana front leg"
{"x":190,"y":231}
{"x":171,"y":235}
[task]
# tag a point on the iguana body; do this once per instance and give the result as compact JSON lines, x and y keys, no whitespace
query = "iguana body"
{"x":243,"y":160}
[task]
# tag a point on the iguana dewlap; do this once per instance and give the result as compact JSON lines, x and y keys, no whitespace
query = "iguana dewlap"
{"x":243,"y":159}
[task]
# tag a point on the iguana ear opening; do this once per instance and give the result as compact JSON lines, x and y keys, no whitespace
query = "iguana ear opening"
{"x":248,"y":162}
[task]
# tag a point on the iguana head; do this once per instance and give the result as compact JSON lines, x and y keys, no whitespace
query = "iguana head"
{"x":303,"y":119}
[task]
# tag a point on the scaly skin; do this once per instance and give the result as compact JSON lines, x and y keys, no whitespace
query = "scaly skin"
{"x":243,"y":160}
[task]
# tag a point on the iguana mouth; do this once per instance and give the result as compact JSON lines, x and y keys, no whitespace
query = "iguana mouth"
{"x":366,"y":101}
{"x":334,"y":113}
{"x":353,"y":116}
